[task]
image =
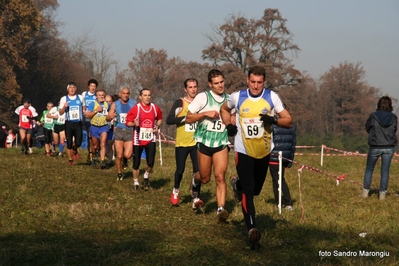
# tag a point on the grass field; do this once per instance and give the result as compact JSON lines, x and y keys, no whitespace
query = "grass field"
{"x":55,"y":214}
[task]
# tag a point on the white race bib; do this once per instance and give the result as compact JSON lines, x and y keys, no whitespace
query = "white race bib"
{"x":146,"y":134}
{"x":74,"y":113}
{"x":104,"y":112}
{"x":122,"y":117}
{"x":190,"y":127}
{"x":215,"y":125}
{"x":25,"y":118}
{"x":48,"y":120}
{"x":61,"y":119}
{"x":252,"y":127}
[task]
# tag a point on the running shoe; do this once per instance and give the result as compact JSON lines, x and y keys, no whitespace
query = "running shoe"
{"x":146,"y":184}
{"x":103,"y":165}
{"x":382,"y":195}
{"x":198,"y":204}
{"x":289,"y":207}
{"x":30,"y":151}
{"x":222,"y":215}
{"x":174,"y":198}
{"x":233,"y":182}
{"x":75,"y":155}
{"x":365,"y":193}
{"x":136,"y":185}
{"x":120,"y":176}
{"x":124,"y":163}
{"x":254,"y":237}
{"x":70,"y":162}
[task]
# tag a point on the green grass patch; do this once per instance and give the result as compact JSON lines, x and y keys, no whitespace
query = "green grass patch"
{"x":55,"y":214}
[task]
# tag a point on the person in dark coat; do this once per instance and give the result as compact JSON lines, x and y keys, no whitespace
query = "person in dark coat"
{"x":381,"y":127}
{"x":3,"y":137}
{"x":284,"y":140}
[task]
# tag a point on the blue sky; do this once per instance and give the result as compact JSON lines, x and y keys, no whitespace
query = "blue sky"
{"x":327,"y":32}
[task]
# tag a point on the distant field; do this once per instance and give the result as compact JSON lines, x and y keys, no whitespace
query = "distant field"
{"x":54,"y":214}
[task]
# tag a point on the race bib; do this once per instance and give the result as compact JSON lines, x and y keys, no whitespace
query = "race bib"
{"x":215,"y":125}
{"x":104,"y":112}
{"x":74,"y":113}
{"x":122,"y":118}
{"x":24,"y":118}
{"x":48,"y":120}
{"x":190,"y":127}
{"x":146,"y":134}
{"x":252,"y":127}
{"x":61,"y":119}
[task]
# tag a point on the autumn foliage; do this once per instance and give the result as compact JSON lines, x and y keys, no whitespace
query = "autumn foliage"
{"x":36,"y":62}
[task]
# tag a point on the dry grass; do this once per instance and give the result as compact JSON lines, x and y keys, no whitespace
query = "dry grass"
{"x":53,"y":214}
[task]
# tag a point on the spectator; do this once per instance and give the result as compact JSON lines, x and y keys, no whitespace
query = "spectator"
{"x":10,"y":138}
{"x":381,"y":127}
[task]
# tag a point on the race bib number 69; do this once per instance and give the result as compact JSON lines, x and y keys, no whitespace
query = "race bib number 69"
{"x":252,"y":127}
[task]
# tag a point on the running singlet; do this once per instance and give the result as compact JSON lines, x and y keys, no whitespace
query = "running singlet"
{"x":144,"y":134}
{"x":74,"y":112}
{"x":24,"y":121}
{"x":253,"y":135}
{"x":88,"y":98}
{"x":212,"y":132}
{"x":48,"y":122}
{"x":99,"y":119}
{"x":185,"y":131}
{"x":55,"y":111}
{"x":121,"y":112}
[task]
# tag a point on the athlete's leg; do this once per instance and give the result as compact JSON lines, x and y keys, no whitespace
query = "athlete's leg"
{"x":119,"y":145}
{"x":103,"y":145}
{"x":220,"y":161}
{"x":181,"y":154}
{"x":205,"y":168}
{"x":22,"y":134}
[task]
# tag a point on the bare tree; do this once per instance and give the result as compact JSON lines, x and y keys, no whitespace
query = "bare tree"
{"x":301,"y":101}
{"x":164,"y":76}
{"x":97,"y":61}
{"x":241,"y":43}
{"x":345,"y":100}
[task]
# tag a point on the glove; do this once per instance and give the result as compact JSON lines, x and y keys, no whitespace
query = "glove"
{"x":268,"y":120}
{"x":231,"y":130}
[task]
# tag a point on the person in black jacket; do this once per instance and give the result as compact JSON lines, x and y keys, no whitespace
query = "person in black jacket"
{"x":381,"y":126}
{"x":284,"y":140}
{"x":3,"y":136}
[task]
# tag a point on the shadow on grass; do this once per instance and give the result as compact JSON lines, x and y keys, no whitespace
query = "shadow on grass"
{"x":159,"y":183}
{"x":294,"y":246}
{"x":45,"y":248}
